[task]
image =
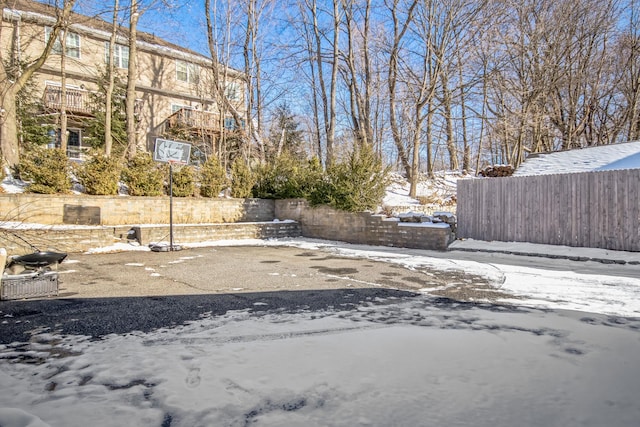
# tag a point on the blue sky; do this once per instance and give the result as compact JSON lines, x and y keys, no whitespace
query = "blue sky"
{"x":182,"y":23}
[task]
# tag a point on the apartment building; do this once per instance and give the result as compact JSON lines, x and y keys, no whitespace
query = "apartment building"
{"x":173,"y":83}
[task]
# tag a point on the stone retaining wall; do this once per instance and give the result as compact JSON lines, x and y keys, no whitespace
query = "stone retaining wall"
{"x":195,"y":220}
{"x":123,"y":210}
{"x":81,"y":239}
{"x":59,"y":239}
{"x":363,"y":228}
{"x":186,"y":233}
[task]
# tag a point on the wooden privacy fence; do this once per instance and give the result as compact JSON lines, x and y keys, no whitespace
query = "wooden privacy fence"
{"x":592,"y":209}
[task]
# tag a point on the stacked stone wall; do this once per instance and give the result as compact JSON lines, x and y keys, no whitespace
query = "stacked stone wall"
{"x":323,"y":222}
{"x":129,"y":210}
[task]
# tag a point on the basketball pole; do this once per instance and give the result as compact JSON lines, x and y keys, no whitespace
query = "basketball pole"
{"x":170,"y":205}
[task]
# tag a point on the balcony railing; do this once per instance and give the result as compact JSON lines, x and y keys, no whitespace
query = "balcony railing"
{"x":194,"y":119}
{"x":77,"y":100}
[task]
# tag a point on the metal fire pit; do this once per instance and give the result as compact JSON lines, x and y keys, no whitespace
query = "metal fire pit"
{"x":36,"y":281}
{"x":29,"y":285}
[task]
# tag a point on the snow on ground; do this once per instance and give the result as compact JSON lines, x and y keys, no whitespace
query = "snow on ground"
{"x":410,"y":363}
{"x":533,"y":287}
{"x":440,"y":190}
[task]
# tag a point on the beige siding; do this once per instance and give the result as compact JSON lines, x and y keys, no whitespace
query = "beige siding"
{"x":157,"y":85}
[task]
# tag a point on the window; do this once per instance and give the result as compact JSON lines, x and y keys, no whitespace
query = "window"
{"x":232,"y":91}
{"x":230,"y":124}
{"x":120,"y":55}
{"x":74,"y":142}
{"x":186,"y":72}
{"x":176,"y":107}
{"x":72,"y":43}
{"x":186,"y":111}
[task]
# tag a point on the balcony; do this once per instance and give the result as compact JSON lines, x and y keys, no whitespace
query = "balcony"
{"x":194,"y":119}
{"x":77,"y":100}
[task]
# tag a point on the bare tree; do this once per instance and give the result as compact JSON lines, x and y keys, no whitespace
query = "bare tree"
{"x":358,"y":75}
{"x":627,"y":73}
{"x":11,"y":85}
{"x":319,"y":58}
{"x":221,"y":78}
{"x":315,"y":74}
{"x":400,"y":27}
{"x":108,"y":138}
{"x":63,"y":87}
{"x":252,"y":66}
{"x":579,"y":48}
{"x":132,"y":72}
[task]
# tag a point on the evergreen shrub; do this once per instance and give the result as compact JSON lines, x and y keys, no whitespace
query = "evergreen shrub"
{"x":46,"y":170}
{"x":242,"y":179}
{"x":183,"y":182}
{"x":99,"y":174}
{"x":213,"y":178}
{"x":287,"y":177}
{"x":355,"y":185}
{"x":143,"y":176}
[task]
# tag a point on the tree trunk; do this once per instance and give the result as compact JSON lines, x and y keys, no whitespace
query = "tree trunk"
{"x":430,"y":142}
{"x":130,"y":104}
{"x":392,"y":78}
{"x":9,"y":127}
{"x":63,"y":91}
{"x":415,"y":161}
{"x":108,"y":107}
{"x":451,"y":140}
{"x":333,"y":89}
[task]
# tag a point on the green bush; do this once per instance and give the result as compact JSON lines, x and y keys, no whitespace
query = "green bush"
{"x":99,"y":174}
{"x":356,"y":185}
{"x":242,"y":179}
{"x":183,"y":182}
{"x":213,"y":178}
{"x":143,"y":176}
{"x":46,"y":169}
{"x":287,"y":177}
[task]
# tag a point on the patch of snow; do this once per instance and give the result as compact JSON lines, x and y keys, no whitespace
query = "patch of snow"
{"x":424,"y":224}
{"x":439,"y":189}
{"x":380,"y":365}
{"x":119,"y":247}
{"x":604,"y":157}
{"x":629,"y":162}
{"x":14,"y":417}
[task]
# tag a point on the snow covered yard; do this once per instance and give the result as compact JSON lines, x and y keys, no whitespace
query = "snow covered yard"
{"x":420,"y":361}
{"x":416,"y":362}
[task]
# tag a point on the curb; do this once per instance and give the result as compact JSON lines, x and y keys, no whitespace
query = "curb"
{"x":551,"y":256}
